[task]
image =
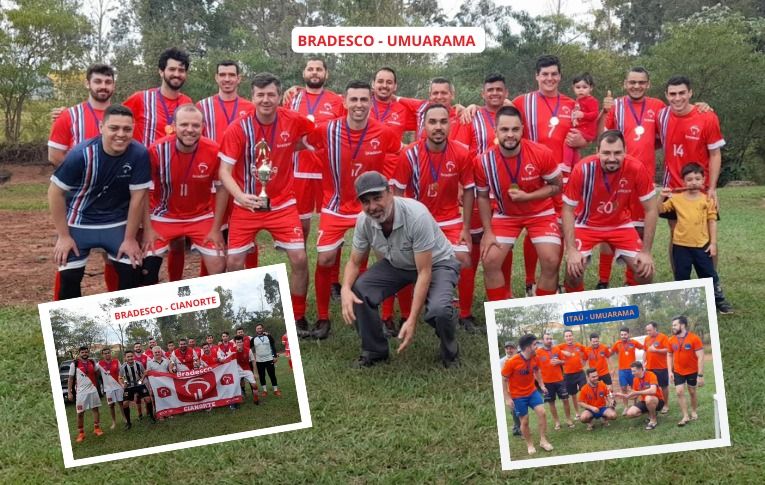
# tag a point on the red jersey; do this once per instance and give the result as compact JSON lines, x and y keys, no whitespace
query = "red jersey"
{"x":226,"y":348}
{"x":603,"y":199}
{"x":538,"y":113}
{"x":654,"y":360}
{"x":574,"y":363}
{"x":112,"y":368}
{"x":347,"y":154}
{"x":520,"y":375}
{"x":320,"y":107}
{"x":594,"y":395}
{"x":211,"y":359}
{"x":649,"y":379}
{"x":185,"y":358}
{"x":75,"y":125}
{"x":626,"y":352}
{"x":395,"y":115}
{"x":152,"y":114}
{"x":683,"y":351}
{"x":626,"y":116}
{"x":238,"y":149}
{"x":530,"y":170}
{"x":286,"y":343}
{"x":87,"y":368}
{"x":479,"y":135}
{"x":588,"y":123}
{"x":142,"y":358}
{"x":688,"y":138}
{"x":435,"y":178}
{"x":597,"y":358}
{"x":550,"y":372}
{"x":244,"y":358}
{"x":183,"y":182}
{"x":219,"y":114}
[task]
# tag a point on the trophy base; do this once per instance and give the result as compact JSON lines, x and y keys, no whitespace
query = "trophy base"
{"x":265,"y":207}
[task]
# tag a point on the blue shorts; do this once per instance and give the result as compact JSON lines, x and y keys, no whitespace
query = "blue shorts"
{"x":600,"y":412}
{"x":522,"y":404}
{"x":625,"y":377}
{"x":109,"y":239}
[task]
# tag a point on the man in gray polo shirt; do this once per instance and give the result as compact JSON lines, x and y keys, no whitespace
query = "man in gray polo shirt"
{"x":411,"y":248}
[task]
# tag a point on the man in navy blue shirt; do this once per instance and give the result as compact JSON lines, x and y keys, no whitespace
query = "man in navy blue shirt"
{"x":97,"y":198}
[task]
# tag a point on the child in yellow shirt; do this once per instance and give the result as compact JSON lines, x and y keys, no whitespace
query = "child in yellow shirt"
{"x":694,"y":240}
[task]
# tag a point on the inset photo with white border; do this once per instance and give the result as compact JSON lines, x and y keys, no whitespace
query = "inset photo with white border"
{"x":175,"y":365}
{"x":596,"y":375}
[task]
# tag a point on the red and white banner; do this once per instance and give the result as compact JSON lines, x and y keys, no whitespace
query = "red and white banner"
{"x":196,"y":389}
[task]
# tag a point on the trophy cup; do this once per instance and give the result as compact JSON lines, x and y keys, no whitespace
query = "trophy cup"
{"x":263,"y":172}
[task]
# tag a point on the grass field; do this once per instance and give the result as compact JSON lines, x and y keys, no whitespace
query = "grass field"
{"x":623,"y":432}
{"x":272,"y":411}
{"x":410,"y":421}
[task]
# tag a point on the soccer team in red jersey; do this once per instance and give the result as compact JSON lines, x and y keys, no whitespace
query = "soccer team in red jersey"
{"x":228,"y":167}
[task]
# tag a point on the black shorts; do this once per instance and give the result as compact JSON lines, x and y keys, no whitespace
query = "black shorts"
{"x":606,"y":378}
{"x":574,"y":382}
{"x":555,"y":389}
{"x":132,"y":392}
{"x":689,"y":379}
{"x":662,"y":375}
{"x":644,"y":409}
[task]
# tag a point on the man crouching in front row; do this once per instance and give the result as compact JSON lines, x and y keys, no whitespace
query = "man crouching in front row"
{"x":411,"y":248}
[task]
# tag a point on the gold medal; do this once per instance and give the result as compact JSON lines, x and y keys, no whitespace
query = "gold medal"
{"x":169,"y":129}
{"x":311,"y":118}
{"x":514,"y":187}
{"x":639,"y":130}
{"x":554,"y":121}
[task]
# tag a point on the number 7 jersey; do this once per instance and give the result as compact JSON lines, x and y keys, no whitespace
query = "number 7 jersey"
{"x":602,"y":200}
{"x":345,"y":154}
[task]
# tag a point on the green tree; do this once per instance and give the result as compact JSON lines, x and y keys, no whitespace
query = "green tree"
{"x":273,"y":295}
{"x":727,"y":73}
{"x":38,"y":37}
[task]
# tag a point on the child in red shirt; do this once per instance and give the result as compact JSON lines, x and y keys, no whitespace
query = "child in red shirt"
{"x":585,"y":117}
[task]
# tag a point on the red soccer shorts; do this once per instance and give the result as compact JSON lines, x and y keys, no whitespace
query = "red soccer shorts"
{"x":283,"y":224}
{"x":541,"y":229}
{"x":308,"y":193}
{"x":197,"y":231}
{"x":332,"y":229}
{"x":624,"y":241}
{"x":452,"y":231}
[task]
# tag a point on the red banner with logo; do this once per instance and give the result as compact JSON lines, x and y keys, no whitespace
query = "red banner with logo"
{"x":195,"y":390}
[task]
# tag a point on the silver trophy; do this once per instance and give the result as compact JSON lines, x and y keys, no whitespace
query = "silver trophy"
{"x":263,"y":173}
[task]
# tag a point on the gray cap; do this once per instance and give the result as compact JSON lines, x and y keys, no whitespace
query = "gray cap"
{"x":371,"y":181}
{"x":509,"y":344}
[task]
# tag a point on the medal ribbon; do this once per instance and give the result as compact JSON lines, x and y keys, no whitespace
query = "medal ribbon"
{"x":377,"y":111}
{"x":310,"y":108}
{"x":222,"y":104}
{"x":488,"y":117}
{"x":93,"y":112}
{"x":190,"y":164}
{"x":169,"y":117}
{"x":434,"y":174}
{"x":262,"y":131}
{"x":554,"y":112}
{"x":638,"y":121}
{"x":608,"y":185}
{"x":361,"y":139}
{"x":513,"y":177}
